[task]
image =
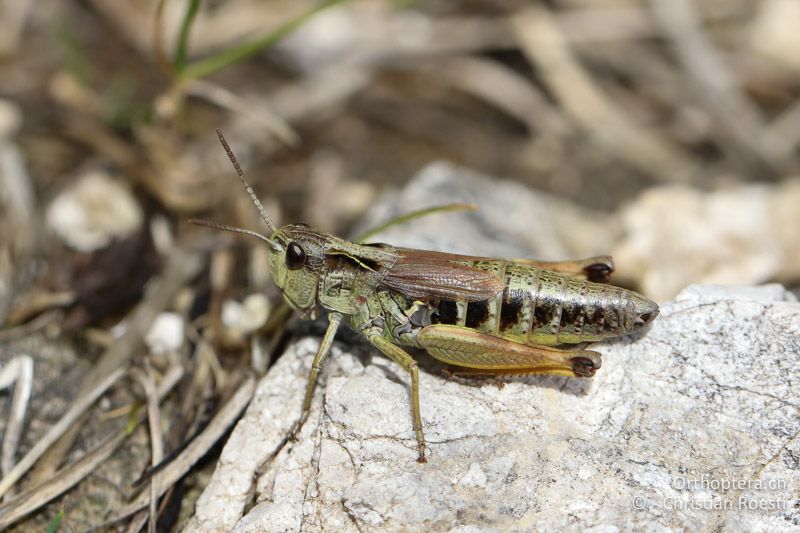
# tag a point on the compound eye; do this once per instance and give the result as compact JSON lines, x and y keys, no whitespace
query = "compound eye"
{"x":295,"y":256}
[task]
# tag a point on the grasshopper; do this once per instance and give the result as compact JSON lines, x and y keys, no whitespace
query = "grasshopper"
{"x":483,"y":315}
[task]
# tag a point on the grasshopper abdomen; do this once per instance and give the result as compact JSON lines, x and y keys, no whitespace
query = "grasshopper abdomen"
{"x":548,"y":308}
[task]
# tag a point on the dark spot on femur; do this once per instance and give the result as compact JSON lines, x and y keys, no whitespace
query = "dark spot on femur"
{"x":477,"y":313}
{"x":583,"y":366}
{"x":598,"y":272}
{"x":379,"y":245}
{"x":509,"y":313}
{"x":447,"y":313}
{"x":295,"y":256}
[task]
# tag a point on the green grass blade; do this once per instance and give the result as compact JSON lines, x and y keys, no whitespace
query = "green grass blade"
{"x":133,"y":418}
{"x":181,"y":50}
{"x":419,"y":213}
{"x":52,"y":527}
{"x":204,"y":67}
{"x":73,"y":56}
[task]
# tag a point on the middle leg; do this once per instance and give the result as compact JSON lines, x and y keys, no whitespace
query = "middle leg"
{"x":399,"y":356}
{"x":334,"y":320}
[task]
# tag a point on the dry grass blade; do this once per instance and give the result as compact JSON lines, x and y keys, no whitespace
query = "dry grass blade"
{"x":158,"y":38}
{"x":318,"y":93}
{"x":545,"y":46}
{"x":590,"y":24}
{"x":171,"y":473}
{"x":783,"y":134}
{"x":33,"y":498}
{"x":455,"y":35}
{"x":252,"y":110}
{"x":17,"y":236}
{"x":182,"y":265}
{"x":148,"y":382}
{"x":502,"y":87}
{"x":13,"y":16}
{"x":313,"y":95}
{"x":19,"y":373}
{"x":36,"y":302}
{"x":137,"y":522}
{"x":38,"y":495}
{"x":442,"y":36}
{"x":28,"y":328}
{"x":60,"y":428}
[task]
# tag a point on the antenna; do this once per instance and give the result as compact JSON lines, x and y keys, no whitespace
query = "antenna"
{"x":268,"y":221}
{"x":223,"y":227}
{"x":247,"y":187}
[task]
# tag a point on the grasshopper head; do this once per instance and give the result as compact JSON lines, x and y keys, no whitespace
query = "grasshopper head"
{"x":296,"y":252}
{"x":296,"y":261}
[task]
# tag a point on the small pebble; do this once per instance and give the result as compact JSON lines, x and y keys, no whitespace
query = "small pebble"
{"x":166,"y":334}
{"x":93,"y":211}
{"x":247,"y":316}
{"x":774,"y":32}
{"x":10,"y":119}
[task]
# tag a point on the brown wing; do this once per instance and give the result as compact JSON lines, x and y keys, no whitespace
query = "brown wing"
{"x":426,"y":275}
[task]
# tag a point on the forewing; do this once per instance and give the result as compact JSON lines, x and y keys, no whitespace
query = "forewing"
{"x":429,"y":276}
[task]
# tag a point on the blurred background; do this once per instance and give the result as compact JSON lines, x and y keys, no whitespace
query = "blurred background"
{"x":676,"y":123}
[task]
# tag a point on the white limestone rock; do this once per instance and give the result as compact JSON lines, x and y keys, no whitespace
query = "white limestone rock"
{"x":676,"y":235}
